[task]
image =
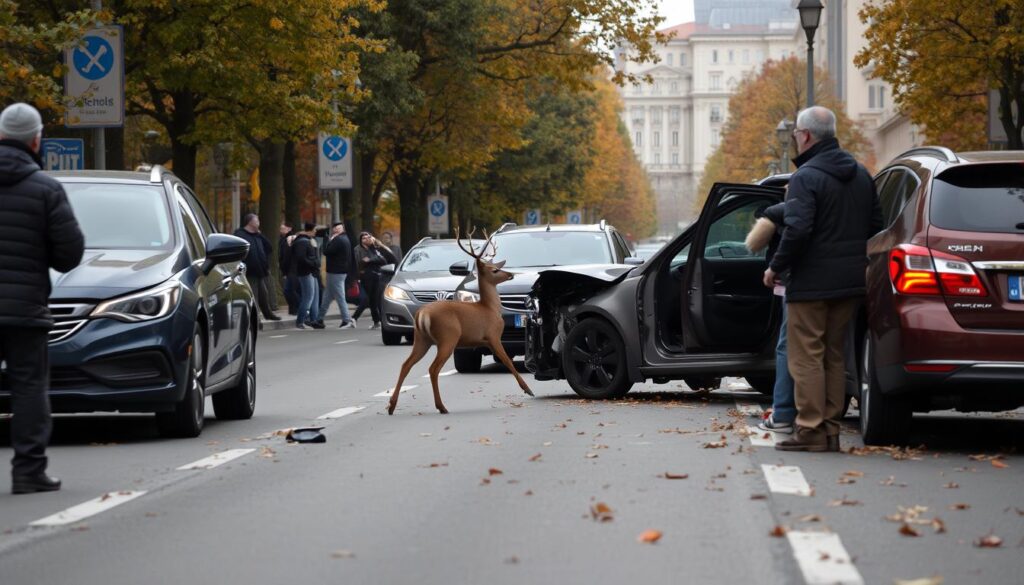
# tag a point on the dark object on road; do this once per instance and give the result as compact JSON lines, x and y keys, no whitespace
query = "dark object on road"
{"x":450,"y":325}
{"x":306,"y":435}
{"x":158,"y":315}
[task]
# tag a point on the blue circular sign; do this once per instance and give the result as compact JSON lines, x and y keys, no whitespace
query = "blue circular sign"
{"x":437,"y":208}
{"x":94,"y":58}
{"x":532,"y":217}
{"x":335,"y":148}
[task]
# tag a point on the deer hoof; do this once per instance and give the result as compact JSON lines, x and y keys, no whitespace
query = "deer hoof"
{"x":391,"y":409}
{"x":528,"y":391}
{"x":442,"y":410}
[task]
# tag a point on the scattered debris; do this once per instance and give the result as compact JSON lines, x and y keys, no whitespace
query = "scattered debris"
{"x":494,"y":471}
{"x":600,"y":512}
{"x":959,"y":506}
{"x":343,"y":554}
{"x":535,"y":457}
{"x":779,"y":531}
{"x":989,"y":541}
{"x":668,"y":475}
{"x":844,"y":502}
{"x":649,"y":536}
{"x":951,"y":485}
{"x":306,"y":435}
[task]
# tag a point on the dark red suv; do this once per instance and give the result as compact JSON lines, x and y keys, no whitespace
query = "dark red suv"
{"x":945,"y":312}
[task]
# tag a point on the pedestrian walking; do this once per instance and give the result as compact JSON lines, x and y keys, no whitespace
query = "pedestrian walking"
{"x":389,"y":241}
{"x":765,"y":235}
{"x":38,"y":231}
{"x":290,"y":285}
{"x":306,"y":263}
{"x":338,"y":253}
{"x":830,"y":212}
{"x":371,"y":254}
{"x":257,"y":263}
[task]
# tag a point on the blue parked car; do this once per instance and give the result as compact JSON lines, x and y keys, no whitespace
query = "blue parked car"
{"x":158,"y":315}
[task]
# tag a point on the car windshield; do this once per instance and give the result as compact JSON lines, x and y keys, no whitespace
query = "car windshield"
{"x":980,"y":198}
{"x":434,"y":258}
{"x":554,"y":248}
{"x":121,"y":216}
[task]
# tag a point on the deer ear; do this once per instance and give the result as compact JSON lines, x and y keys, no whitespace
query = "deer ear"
{"x":499,"y":265}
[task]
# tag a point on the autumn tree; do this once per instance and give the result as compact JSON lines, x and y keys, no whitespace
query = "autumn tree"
{"x":749,"y":143}
{"x":942,"y":57}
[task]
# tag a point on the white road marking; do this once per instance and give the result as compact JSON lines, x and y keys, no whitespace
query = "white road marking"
{"x":786,"y":479}
{"x":822,"y":559}
{"x":388,"y":392}
{"x":346,"y":341}
{"x":87,"y":509}
{"x":750,"y":409}
{"x":277,"y":336}
{"x":447,"y":373}
{"x":757,"y":437}
{"x":216,"y":459}
{"x":341,"y":412}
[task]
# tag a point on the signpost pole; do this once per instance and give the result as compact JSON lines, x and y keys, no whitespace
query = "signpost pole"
{"x":236,"y":201}
{"x":99,"y":135}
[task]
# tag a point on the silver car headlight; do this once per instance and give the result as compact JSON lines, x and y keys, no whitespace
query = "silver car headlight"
{"x":466,"y":297}
{"x":154,"y":303}
{"x":396,"y":294}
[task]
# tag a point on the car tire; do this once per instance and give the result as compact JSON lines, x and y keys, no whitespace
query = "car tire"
{"x":698,"y":383}
{"x":594,"y":360}
{"x":186,"y":420}
{"x":390,"y":338}
{"x":239,"y":401}
{"x":468,"y":361}
{"x":884,"y":419}
{"x":763,"y":384}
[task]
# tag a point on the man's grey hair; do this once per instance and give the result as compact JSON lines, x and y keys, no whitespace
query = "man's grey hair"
{"x":819,"y":121}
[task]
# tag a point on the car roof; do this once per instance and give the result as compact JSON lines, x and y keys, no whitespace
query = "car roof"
{"x":554,"y":227}
{"x":92,"y":176}
{"x":445,"y":241}
{"x":991,"y":156}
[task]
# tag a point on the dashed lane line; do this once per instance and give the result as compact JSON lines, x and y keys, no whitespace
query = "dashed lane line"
{"x":786,"y":479}
{"x":346,"y":341}
{"x":340,"y":412}
{"x":277,"y":336}
{"x":822,"y":559}
{"x":388,"y":392}
{"x":87,"y":509}
{"x":446,"y":373}
{"x":749,"y":409}
{"x":759,"y":438}
{"x":216,"y":459}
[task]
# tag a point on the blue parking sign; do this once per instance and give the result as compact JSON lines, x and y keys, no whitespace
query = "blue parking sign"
{"x":532,"y":217}
{"x":62,"y":154}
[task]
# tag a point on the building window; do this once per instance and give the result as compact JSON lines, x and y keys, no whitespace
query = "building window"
{"x":675,"y":87}
{"x":657,"y":158}
{"x":714,"y":56}
{"x":675,"y":138}
{"x":746,"y":56}
{"x":876,"y":97}
{"x":656,"y":138}
{"x":759,"y":56}
{"x":637,"y":90}
{"x":714,"y":137}
{"x":639,"y":141}
{"x":731,"y":56}
{"x":657,"y":88}
{"x":682,"y":59}
{"x":669,"y":58}
{"x":655,"y":115}
{"x":716,"y":81}
{"x":675,"y":158}
{"x":673,"y":115}
{"x":716,"y":113}
{"x":638,"y":115}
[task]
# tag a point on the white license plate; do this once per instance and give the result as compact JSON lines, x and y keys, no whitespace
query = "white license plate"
{"x":520,"y":321}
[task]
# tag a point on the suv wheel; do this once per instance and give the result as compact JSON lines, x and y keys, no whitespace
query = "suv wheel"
{"x":763,"y":384}
{"x":594,"y":360}
{"x":883,"y":419}
{"x":390,"y":338}
{"x":467,"y":361}
{"x":239,"y":401}
{"x":186,"y":420}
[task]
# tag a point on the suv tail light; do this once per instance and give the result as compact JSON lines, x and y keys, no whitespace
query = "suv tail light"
{"x":916,"y":270}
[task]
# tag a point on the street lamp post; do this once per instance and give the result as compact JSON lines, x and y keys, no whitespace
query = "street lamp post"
{"x":810,"y":17}
{"x":784,"y":132}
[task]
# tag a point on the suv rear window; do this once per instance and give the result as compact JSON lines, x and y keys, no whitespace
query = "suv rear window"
{"x":554,"y":248}
{"x":980,"y":198}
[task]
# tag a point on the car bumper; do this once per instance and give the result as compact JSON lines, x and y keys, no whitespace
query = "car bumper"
{"x":109,"y":365}
{"x":398,"y":316}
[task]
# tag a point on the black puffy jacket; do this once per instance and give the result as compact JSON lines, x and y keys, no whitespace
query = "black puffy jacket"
{"x":305,"y":260}
{"x":38,"y":231}
{"x":832,"y":210}
{"x":257,"y":261}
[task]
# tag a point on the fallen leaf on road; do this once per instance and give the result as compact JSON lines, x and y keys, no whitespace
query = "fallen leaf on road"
{"x":668,"y":475}
{"x":999,"y":464}
{"x":758,"y":497}
{"x":936,"y":580}
{"x":433,"y":465}
{"x":105,"y":497}
{"x":649,"y":536}
{"x":853,"y":473}
{"x":809,"y":518}
{"x":716,"y":444}
{"x":600,"y":512}
{"x":512,"y":560}
{"x":343,"y":554}
{"x":989,"y":541}
{"x":779,"y":531}
{"x":844,"y":502}
{"x":484,"y":441}
{"x":960,"y":506}
{"x":951,"y":485}
{"x":535,"y":457}
{"x":938,"y":525}
{"x":891,"y":481}
{"x":528,"y":493}
{"x":846,"y":480}
{"x":267,"y":452}
{"x":424,"y":434}
{"x":485,"y":481}
{"x":494,"y":471}
{"x":908,"y":530}
{"x":591,"y":455}
{"x":547,"y":443}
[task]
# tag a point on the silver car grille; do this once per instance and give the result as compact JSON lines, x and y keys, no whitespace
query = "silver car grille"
{"x":429,"y":296}
{"x":514,"y":302}
{"x":67,"y":320}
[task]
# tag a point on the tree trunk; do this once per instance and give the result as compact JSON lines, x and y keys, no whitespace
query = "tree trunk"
{"x":292,"y":204}
{"x":115,"y":149}
{"x":271,"y":189}
{"x":367,"y":201}
{"x":408,"y":186}
{"x":182,"y":123}
{"x":351,"y":202}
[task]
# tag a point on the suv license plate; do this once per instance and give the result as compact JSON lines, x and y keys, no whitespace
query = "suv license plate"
{"x":1016,"y":281}
{"x":520,"y":320}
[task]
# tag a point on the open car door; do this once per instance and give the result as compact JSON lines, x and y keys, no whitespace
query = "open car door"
{"x":726,"y":307}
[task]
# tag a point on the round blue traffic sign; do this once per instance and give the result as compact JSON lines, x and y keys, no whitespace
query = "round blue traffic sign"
{"x":437,"y":208}
{"x":532,"y":217}
{"x":94,"y":58}
{"x":335,"y":148}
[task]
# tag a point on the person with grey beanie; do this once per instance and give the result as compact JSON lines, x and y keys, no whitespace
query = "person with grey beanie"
{"x":38,"y":231}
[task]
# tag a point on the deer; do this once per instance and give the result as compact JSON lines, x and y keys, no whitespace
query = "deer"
{"x":451,"y":324}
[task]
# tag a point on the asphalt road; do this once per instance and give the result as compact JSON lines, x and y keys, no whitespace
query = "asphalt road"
{"x":508,"y":489}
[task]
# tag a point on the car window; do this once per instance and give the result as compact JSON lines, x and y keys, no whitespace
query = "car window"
{"x":121,"y":216}
{"x":979,"y":198}
{"x":197,"y":210}
{"x":680,"y":258}
{"x":897,"y":190}
{"x":727,"y":233}
{"x":195,"y":240}
{"x":622,"y":246}
{"x":554,"y":248}
{"x":434,"y":258}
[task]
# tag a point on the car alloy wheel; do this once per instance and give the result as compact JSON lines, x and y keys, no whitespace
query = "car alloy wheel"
{"x":594,"y":360}
{"x":884,"y":420}
{"x":186,"y":420}
{"x":239,"y":402}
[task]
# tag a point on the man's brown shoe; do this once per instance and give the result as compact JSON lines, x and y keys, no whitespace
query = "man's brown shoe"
{"x":805,"y":440}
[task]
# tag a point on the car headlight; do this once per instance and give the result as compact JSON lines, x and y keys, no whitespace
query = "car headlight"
{"x":466,"y":297}
{"x":142,"y":306}
{"x":396,"y":294}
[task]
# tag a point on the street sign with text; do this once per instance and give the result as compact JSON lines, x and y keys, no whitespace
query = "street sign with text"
{"x":62,"y":154}
{"x":334,"y":162}
{"x":94,"y":81}
{"x":437,"y":206}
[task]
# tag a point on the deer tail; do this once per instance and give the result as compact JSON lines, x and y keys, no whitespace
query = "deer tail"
{"x":423,"y":325}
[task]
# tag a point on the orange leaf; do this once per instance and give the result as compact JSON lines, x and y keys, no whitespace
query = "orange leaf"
{"x":778,"y":532}
{"x":959,"y":506}
{"x":494,"y":471}
{"x":535,"y":457}
{"x":990,"y":541}
{"x":601,"y":512}
{"x":908,"y":530}
{"x":649,"y":536}
{"x":999,"y":464}
{"x":668,"y":475}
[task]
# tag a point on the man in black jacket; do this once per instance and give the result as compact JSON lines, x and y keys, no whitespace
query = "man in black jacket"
{"x":831,"y":211}
{"x":338,"y":252}
{"x":284,"y":258}
{"x":305,"y":261}
{"x":257,"y":263}
{"x":38,"y":231}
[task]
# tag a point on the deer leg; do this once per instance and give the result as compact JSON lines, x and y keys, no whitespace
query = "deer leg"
{"x":443,"y":353}
{"x":419,"y":349}
{"x":499,"y":352}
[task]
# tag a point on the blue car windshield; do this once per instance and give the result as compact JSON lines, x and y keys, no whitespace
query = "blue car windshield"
{"x":434,"y":257}
{"x":554,"y":248}
{"x":117,"y":216}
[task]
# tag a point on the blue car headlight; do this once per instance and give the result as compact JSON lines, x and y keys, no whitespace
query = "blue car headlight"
{"x":154,"y":303}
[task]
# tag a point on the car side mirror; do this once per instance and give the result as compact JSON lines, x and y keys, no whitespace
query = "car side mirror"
{"x":388,"y":269}
{"x":460,"y":268}
{"x":222,"y":248}
{"x":634,"y":261}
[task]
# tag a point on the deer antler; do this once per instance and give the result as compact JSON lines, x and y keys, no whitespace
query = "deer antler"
{"x":458,"y":240}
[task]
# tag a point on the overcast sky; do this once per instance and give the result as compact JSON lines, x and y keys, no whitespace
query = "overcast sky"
{"x":676,"y":12}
